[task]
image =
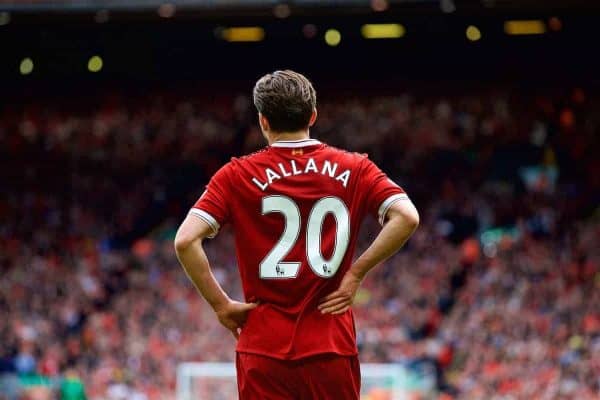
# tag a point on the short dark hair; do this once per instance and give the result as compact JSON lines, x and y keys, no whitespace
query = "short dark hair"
{"x":287,"y":99}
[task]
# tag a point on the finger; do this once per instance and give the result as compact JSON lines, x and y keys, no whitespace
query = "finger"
{"x":333,"y":309}
{"x":249,"y":306}
{"x":241,"y":320}
{"x":331,"y":296}
{"x":332,"y":302}
{"x":343,"y":310}
{"x":231,"y":324}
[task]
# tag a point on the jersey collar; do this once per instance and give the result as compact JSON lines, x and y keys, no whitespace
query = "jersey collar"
{"x":291,"y":144}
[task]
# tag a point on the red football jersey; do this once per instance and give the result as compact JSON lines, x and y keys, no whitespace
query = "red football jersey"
{"x":296,"y":209}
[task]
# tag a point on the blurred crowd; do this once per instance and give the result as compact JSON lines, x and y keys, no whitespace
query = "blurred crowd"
{"x":497,"y":296}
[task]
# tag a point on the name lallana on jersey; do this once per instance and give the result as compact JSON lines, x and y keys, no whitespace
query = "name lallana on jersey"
{"x":292,"y":169}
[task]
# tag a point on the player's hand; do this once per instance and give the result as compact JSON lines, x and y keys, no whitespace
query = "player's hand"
{"x":339,"y":302}
{"x":233,"y":315}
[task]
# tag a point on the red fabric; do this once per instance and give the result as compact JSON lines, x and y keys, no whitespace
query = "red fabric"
{"x":287,"y":324}
{"x":327,"y":376}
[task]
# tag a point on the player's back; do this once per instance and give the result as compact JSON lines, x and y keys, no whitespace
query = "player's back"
{"x":296,"y":208}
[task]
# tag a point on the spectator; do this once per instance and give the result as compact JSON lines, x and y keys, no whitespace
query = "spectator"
{"x":72,"y":388}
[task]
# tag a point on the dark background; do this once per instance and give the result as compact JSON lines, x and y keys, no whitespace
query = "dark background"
{"x":140,"y":47}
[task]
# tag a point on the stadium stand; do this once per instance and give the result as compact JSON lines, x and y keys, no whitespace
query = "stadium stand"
{"x":497,"y":294}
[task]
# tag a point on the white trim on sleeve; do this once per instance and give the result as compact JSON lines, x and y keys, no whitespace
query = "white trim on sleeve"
{"x":209,"y":219}
{"x":387,"y":203}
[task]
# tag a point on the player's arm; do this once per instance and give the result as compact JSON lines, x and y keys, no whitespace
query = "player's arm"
{"x":402,"y":220}
{"x":191,"y":255}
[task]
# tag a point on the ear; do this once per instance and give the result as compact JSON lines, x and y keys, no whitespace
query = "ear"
{"x":313,"y":117}
{"x":264,"y":123}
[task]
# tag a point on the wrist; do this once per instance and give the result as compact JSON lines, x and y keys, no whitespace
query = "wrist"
{"x":358,"y":275}
{"x":220,"y":304}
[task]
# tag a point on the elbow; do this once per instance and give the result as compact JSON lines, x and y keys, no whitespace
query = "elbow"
{"x":405,"y":214}
{"x":192,"y":230}
{"x":182,"y":242}
{"x":412,"y":219}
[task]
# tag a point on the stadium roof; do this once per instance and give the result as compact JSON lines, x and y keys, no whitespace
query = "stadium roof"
{"x":340,"y":5}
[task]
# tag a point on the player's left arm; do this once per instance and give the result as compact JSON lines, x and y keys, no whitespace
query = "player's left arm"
{"x":399,"y":218}
{"x":188,"y":246}
{"x":402,"y":220}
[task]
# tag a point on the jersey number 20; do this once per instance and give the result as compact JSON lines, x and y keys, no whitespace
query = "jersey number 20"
{"x":271,"y":267}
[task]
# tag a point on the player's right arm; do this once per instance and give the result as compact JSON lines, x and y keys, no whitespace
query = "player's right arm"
{"x":204,"y":220}
{"x":188,"y":246}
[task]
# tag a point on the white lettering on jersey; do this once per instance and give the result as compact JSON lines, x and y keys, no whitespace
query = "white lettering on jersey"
{"x":343,"y":177}
{"x":262,"y":186}
{"x":310,"y":166}
{"x":295,"y":170}
{"x":271,"y":175}
{"x":327,"y":169}
{"x":283,"y":171}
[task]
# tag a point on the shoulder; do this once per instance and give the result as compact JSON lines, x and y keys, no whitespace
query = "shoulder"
{"x":357,"y":161}
{"x":256,"y":155}
{"x":350,"y":155}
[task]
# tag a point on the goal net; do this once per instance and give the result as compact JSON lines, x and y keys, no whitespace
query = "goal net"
{"x":217,"y":381}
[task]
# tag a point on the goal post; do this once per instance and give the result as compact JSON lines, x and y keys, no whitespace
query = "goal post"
{"x":217,"y":381}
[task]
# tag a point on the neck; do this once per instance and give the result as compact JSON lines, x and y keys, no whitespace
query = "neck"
{"x":276,"y":137}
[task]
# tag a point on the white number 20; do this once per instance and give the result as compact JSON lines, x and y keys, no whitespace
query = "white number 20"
{"x":272,"y":267}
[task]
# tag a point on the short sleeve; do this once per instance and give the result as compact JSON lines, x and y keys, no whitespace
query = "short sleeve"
{"x":381,"y":191}
{"x":213,"y":205}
